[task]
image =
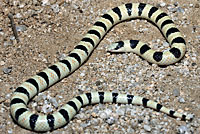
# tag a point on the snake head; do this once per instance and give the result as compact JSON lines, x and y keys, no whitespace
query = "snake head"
{"x":116,"y":47}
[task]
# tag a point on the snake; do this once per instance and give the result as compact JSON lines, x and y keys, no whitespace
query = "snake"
{"x":31,"y":120}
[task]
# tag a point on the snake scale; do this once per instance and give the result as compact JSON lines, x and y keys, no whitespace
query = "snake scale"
{"x":39,"y":122}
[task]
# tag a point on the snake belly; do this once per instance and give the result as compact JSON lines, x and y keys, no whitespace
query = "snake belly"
{"x":39,"y":122}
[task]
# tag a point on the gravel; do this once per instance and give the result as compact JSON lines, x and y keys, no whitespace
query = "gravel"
{"x":49,"y":29}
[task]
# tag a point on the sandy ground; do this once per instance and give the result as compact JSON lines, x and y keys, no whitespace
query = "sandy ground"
{"x":50,"y":29}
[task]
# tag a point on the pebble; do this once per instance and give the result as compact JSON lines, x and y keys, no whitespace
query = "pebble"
{"x":182,"y":130}
{"x":198,"y":37}
{"x":95,"y":122}
{"x":181,"y":100}
{"x":21,"y":28}
{"x":166,"y":44}
{"x":8,"y":96}
{"x":176,"y":3}
{"x":12,"y":37}
{"x":39,"y":97}
{"x":7,"y":70}
{"x":45,"y":2}
{"x":46,"y":108}
{"x":82,"y":74}
{"x":2,"y":63}
{"x":55,"y":8}
{"x":191,"y":116}
{"x":130,"y":69}
{"x":62,"y":56}
{"x":10,"y":131}
{"x":191,"y":5}
{"x":130,"y":130}
{"x":54,"y":102}
{"x":110,"y":120}
{"x":18,"y":16}
{"x":171,"y":9}
{"x":84,"y":125}
{"x":134,"y":123}
{"x":103,"y":115}
{"x":180,"y":10}
{"x":154,"y":122}
{"x":44,"y":96}
{"x":176,"y":92}
{"x":147,"y":128}
{"x":121,"y":111}
{"x":7,"y":43}
{"x":21,"y":5}
{"x":81,"y":116}
{"x":108,"y":111}
{"x":1,"y":32}
{"x":162,"y":4}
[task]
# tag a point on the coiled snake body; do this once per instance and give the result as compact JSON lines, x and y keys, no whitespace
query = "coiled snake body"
{"x":39,"y":122}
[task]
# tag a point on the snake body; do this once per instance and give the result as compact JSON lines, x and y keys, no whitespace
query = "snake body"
{"x":31,"y":87}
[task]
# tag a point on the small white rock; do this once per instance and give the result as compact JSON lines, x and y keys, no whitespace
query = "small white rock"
{"x":2,"y":63}
{"x":182,"y":129}
{"x":198,"y":37}
{"x":54,"y":102}
{"x":147,"y":128}
{"x":82,"y":74}
{"x":47,"y":108}
{"x":103,"y":115}
{"x":18,"y":15}
{"x":162,"y":4}
{"x":45,"y":2}
{"x":121,"y":111}
{"x":181,"y":100}
{"x":21,"y":28}
{"x":55,"y":8}
{"x":10,"y":131}
{"x":7,"y":43}
{"x":166,"y":44}
{"x":110,"y":120}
